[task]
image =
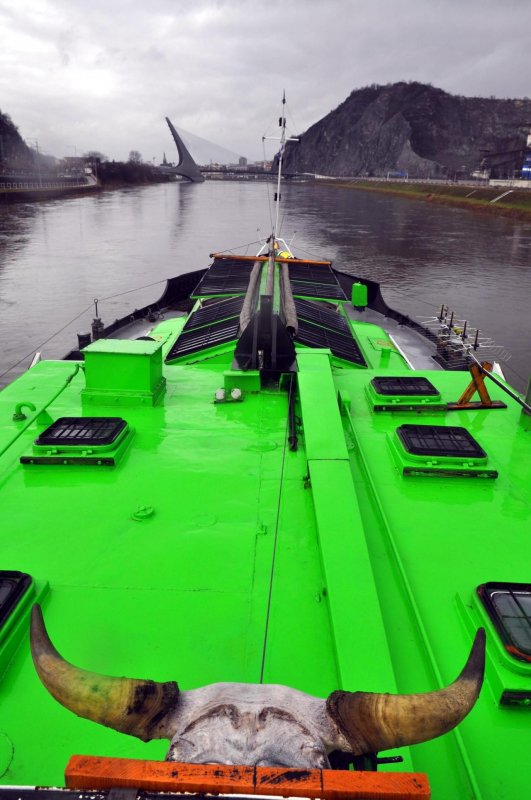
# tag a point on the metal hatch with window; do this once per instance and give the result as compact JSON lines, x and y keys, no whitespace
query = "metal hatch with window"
{"x":439,"y":451}
{"x":13,"y":586}
{"x":403,"y":393}
{"x":86,"y":441}
{"x":509,"y":607}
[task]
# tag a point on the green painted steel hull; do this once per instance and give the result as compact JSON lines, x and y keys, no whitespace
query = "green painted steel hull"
{"x":212,"y":552}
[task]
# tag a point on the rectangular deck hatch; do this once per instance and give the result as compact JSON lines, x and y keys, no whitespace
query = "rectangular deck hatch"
{"x":403,"y":393}
{"x":81,"y":441}
{"x":439,"y":440}
{"x":405,"y":386}
{"x":71,"y":431}
{"x":13,"y":585}
{"x":439,"y":451}
{"x":509,"y":607}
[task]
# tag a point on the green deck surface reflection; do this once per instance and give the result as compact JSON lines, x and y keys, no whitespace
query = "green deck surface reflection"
{"x":212,"y":552}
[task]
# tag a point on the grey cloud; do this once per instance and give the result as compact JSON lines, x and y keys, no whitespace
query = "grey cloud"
{"x":103,"y":77}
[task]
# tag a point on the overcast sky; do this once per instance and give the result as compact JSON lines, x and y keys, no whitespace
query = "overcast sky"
{"x":80,"y":75}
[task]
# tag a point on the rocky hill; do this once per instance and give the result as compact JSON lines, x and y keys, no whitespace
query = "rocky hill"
{"x":13,"y":150}
{"x":409,"y":127}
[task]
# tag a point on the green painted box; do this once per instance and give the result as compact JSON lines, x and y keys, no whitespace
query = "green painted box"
{"x":122,"y":372}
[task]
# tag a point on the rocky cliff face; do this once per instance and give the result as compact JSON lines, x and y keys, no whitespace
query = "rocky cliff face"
{"x":409,"y":127}
{"x":13,"y":149}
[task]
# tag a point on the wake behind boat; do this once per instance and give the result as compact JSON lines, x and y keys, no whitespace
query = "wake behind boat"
{"x":294,"y":514}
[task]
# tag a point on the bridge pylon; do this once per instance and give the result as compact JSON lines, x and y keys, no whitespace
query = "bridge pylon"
{"x":186,"y":165}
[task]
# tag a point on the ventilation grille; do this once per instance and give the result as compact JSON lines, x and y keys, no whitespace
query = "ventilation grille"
{"x":439,"y":440}
{"x":81,"y":431}
{"x":405,"y":387}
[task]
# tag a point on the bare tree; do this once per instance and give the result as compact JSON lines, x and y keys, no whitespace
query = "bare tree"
{"x":95,"y":156}
{"x":135,"y":157}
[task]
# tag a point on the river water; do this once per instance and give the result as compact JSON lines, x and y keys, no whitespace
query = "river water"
{"x":57,"y":256}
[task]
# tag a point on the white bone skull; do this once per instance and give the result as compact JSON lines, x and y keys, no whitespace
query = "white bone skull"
{"x":255,"y":724}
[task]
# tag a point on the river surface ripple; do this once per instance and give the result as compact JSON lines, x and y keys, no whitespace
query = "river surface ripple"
{"x":56,"y":256}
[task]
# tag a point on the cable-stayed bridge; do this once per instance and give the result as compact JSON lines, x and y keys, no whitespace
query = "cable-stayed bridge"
{"x":187,"y":166}
{"x":226,"y":162}
{"x":207,"y":152}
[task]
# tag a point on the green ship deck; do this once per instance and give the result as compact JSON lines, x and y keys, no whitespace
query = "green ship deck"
{"x":212,"y":552}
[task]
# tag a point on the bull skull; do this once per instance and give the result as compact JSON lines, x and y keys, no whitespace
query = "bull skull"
{"x":252,"y":724}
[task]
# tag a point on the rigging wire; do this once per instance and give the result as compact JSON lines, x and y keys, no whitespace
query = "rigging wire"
{"x":129,"y":291}
{"x":268,"y":188}
{"x":506,"y":365}
{"x":275,"y":540}
{"x":290,"y":114}
{"x":240,"y":247}
{"x":37,"y":347}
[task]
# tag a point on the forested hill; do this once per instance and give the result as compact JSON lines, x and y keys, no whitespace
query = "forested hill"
{"x":409,"y":127}
{"x":13,"y":149}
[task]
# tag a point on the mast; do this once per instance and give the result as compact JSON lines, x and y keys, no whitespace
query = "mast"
{"x":268,"y":321}
{"x":282,"y":124}
{"x":283,"y":139}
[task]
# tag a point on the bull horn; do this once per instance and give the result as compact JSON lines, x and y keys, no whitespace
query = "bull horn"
{"x":136,"y":707}
{"x":372,"y":722}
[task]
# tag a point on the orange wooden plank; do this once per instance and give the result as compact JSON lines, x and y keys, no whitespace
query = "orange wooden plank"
{"x":266,"y":258}
{"x":343,"y":785}
{"x":288,"y":782}
{"x":93,"y":772}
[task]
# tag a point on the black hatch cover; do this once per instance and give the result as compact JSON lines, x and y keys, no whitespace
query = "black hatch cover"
{"x":404,"y":386}
{"x":439,"y":440}
{"x":81,"y":431}
{"x":12,"y":587}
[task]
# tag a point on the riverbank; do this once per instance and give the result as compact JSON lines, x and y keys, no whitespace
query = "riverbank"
{"x":515,"y":203}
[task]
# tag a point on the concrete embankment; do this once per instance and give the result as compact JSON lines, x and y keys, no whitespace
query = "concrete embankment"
{"x":499,"y":200}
